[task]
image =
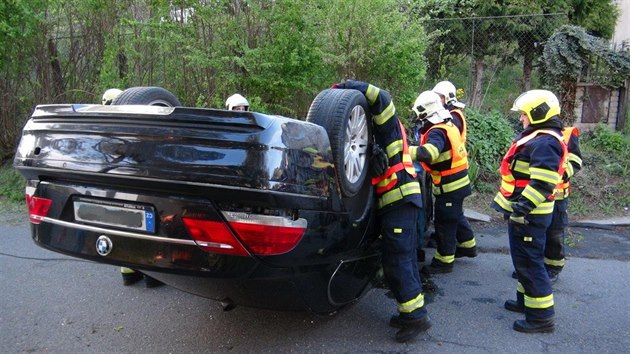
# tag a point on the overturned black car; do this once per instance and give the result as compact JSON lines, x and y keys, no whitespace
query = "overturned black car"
{"x":242,"y":207}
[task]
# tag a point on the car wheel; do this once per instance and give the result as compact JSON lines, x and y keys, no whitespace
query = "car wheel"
{"x":147,"y":95}
{"x":347,"y":120}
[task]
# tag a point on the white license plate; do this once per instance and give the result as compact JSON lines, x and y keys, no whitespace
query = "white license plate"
{"x":117,"y":214}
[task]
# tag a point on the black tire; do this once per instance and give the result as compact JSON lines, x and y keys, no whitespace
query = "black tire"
{"x":346,"y":117}
{"x":147,"y":95}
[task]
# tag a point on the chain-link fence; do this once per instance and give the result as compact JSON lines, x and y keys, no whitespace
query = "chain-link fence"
{"x":491,"y":59}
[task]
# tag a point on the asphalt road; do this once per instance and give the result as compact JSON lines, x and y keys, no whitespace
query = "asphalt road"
{"x":56,"y":304}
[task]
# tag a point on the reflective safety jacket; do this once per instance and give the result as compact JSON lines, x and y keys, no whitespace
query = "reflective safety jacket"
{"x":572,"y":164}
{"x":530,"y":170}
{"x":447,"y":158}
{"x":459,"y":119}
{"x":398,"y":184}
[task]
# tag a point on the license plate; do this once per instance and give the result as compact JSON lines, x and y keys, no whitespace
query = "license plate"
{"x":117,"y":214}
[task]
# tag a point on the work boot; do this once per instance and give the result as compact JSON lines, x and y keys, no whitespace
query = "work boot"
{"x":421,"y":255}
{"x":410,"y":328}
{"x":534,"y":326}
{"x":466,"y":252}
{"x":150,"y":282}
{"x":437,"y":267}
{"x":513,"y":306}
{"x":553,"y":275}
{"x":130,"y":276}
{"x":396,"y":322}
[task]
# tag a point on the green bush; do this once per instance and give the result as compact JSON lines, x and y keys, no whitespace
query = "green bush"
{"x":11,"y":184}
{"x":609,"y":141}
{"x":489,"y":136}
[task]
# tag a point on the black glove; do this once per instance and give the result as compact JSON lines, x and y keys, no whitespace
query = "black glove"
{"x":378,"y":161}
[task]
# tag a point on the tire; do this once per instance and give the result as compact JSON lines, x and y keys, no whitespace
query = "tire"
{"x":147,"y":95}
{"x":346,"y":117}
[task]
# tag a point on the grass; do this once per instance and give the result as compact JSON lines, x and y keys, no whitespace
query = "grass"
{"x":11,"y":190}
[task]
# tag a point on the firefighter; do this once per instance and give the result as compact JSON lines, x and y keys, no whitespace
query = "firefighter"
{"x":237,"y":102}
{"x":398,"y":208}
{"x":554,"y":246}
{"x":530,"y":171}
{"x":448,"y":95}
{"x":443,"y":155}
{"x":129,"y":276}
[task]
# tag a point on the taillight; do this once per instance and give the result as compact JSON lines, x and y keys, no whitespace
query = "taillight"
{"x":266,"y":234}
{"x":214,"y":236}
{"x":37,"y":208}
{"x":260,"y":234}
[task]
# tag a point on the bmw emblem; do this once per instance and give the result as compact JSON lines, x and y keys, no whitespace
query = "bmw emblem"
{"x":104,"y":245}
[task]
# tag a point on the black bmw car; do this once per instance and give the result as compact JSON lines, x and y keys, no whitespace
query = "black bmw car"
{"x":241,"y":207}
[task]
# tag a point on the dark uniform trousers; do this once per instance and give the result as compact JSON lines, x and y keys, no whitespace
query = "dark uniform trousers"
{"x":554,"y":250}
{"x":527,"y":248}
{"x":398,"y":228}
{"x":451,"y":225}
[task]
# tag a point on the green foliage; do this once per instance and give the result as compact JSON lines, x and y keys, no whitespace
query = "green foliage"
{"x":569,"y":51}
{"x":11,"y":184}
{"x":598,"y":17}
{"x":609,"y":141}
{"x":489,"y":136}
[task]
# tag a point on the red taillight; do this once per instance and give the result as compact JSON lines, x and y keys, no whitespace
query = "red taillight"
{"x":37,"y":208}
{"x":265,"y":234}
{"x":214,"y":236}
{"x":260,"y":234}
{"x":268,"y":240}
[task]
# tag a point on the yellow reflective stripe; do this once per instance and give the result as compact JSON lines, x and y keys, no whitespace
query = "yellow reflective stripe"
{"x":410,"y":188}
{"x":507,"y":186}
{"x":520,"y":288}
{"x":503,"y":202}
{"x":467,"y":244}
{"x":413,"y":152}
{"x":433,"y":151}
{"x":554,"y":262}
{"x":399,"y":193}
{"x":125,"y":270}
{"x":528,"y":238}
{"x":387,"y":180}
{"x":575,"y":158}
{"x":412,"y":305}
{"x":372,"y":93}
{"x":538,"y":302}
{"x":459,"y":163}
{"x":521,"y":166}
{"x":452,"y":186}
{"x":444,"y":259}
{"x":543,"y":208}
{"x":533,"y":195}
{"x":446,"y":155}
{"x":544,"y":175}
{"x":394,"y":148}
{"x":384,"y":116}
{"x":398,"y":231}
{"x":569,"y":170}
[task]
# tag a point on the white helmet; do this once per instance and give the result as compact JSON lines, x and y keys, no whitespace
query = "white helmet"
{"x":428,"y":106}
{"x":236,"y":100}
{"x":110,"y":95}
{"x":447,"y":90}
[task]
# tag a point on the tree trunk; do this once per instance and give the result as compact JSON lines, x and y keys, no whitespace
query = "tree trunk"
{"x":477,"y":83}
{"x":57,"y":76}
{"x":567,"y":102}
